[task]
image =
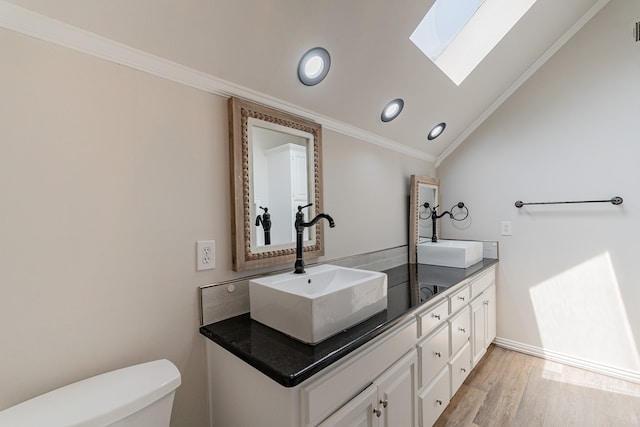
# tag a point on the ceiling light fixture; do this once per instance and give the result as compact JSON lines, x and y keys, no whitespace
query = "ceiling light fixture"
{"x":436,"y":131}
{"x":392,"y":110}
{"x":314,"y":66}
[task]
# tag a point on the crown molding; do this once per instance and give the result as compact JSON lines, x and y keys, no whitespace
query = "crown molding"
{"x":523,"y":78}
{"x":24,"y":21}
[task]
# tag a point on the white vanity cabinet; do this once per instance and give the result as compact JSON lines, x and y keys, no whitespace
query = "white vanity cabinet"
{"x":444,"y":354}
{"x":378,"y":378}
{"x":389,"y":402}
{"x":452,"y":340}
{"x":405,"y":376}
{"x":390,"y":366}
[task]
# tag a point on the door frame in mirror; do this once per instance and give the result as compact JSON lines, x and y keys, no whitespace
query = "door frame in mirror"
{"x":243,"y":257}
{"x":414,"y":213}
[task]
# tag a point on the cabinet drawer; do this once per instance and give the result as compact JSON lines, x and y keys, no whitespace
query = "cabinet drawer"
{"x":330,"y":390}
{"x":460,"y":330}
{"x":434,"y":399}
{"x":460,"y":366}
{"x":483,"y":282}
{"x":459,"y":299}
{"x":432,"y":318}
{"x":433,"y":354}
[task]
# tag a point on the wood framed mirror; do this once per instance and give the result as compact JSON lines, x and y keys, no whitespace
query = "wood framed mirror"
{"x":424,"y":189}
{"x":276,"y":166}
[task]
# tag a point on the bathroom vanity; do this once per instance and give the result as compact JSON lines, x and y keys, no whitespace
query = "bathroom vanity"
{"x":399,"y":367}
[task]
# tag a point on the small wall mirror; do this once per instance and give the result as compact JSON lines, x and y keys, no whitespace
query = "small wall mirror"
{"x":275,"y":167}
{"x":424,"y":189}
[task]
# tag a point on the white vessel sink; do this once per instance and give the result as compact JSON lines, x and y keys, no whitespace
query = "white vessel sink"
{"x":319,"y":303}
{"x":450,"y":253}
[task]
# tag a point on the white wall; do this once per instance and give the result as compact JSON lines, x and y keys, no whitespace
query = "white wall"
{"x":108,"y":176}
{"x":568,"y":280}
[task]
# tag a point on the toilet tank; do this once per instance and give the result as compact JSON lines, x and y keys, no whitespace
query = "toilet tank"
{"x":140,"y":395}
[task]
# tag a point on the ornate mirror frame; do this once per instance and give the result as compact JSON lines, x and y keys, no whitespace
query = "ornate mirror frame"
{"x":244,"y":258}
{"x":418,"y":182}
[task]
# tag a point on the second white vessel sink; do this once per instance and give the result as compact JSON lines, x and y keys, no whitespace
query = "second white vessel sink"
{"x":319,"y":303}
{"x":450,"y":253}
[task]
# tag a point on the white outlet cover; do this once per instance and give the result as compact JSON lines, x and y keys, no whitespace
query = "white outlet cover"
{"x":205,"y":255}
{"x":505,"y":228}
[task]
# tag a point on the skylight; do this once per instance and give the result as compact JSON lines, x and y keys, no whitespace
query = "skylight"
{"x":441,"y":24}
{"x":458,"y":34}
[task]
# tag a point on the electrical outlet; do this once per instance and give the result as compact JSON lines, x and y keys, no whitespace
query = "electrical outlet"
{"x":205,"y":255}
{"x":505,"y":228}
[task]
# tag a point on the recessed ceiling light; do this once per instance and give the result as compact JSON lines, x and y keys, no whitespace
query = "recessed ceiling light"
{"x":436,"y":131}
{"x":314,"y":66}
{"x":392,"y":110}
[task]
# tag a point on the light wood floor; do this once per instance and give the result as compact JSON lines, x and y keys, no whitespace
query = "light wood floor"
{"x":508,"y":388}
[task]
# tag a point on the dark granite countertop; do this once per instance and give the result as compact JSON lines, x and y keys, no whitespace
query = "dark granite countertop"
{"x":289,"y":361}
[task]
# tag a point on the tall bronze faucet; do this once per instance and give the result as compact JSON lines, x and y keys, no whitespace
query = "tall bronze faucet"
{"x":300,"y":226}
{"x":265,"y":221}
{"x":434,"y":216}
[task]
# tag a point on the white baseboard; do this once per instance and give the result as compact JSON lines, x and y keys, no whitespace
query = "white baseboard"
{"x":577,"y":362}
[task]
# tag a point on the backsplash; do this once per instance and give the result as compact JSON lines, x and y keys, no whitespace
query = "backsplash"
{"x":219,"y":301}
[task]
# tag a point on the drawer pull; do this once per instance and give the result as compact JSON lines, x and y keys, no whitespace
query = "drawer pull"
{"x":463,"y":369}
{"x":438,"y":401}
{"x":463,"y":330}
{"x":486,"y":303}
{"x":437,"y":353}
{"x":377,"y":411}
{"x":437,"y":316}
{"x":384,"y":403}
{"x":462,"y":298}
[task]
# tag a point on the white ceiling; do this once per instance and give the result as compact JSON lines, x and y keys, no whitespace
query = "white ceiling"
{"x":256,"y":44}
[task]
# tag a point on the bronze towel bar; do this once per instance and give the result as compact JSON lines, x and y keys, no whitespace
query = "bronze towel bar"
{"x":617,"y":200}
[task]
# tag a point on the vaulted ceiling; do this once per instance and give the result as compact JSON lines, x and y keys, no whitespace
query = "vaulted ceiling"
{"x":256,"y":45}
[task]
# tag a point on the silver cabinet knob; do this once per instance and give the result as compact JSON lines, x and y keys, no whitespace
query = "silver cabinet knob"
{"x":462,"y":330}
{"x":462,"y":298}
{"x":437,"y":316}
{"x":437,"y":353}
{"x":384,"y":403}
{"x":439,"y":402}
{"x":377,"y":411}
{"x":463,"y":369}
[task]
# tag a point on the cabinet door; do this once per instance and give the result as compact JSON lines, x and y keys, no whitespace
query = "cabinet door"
{"x":483,"y":323}
{"x":300,"y":190}
{"x":358,"y":412}
{"x":490,"y":309}
{"x":397,"y":393}
{"x":478,"y":329}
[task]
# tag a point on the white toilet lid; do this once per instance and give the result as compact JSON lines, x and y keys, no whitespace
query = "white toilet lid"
{"x":99,"y":400}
